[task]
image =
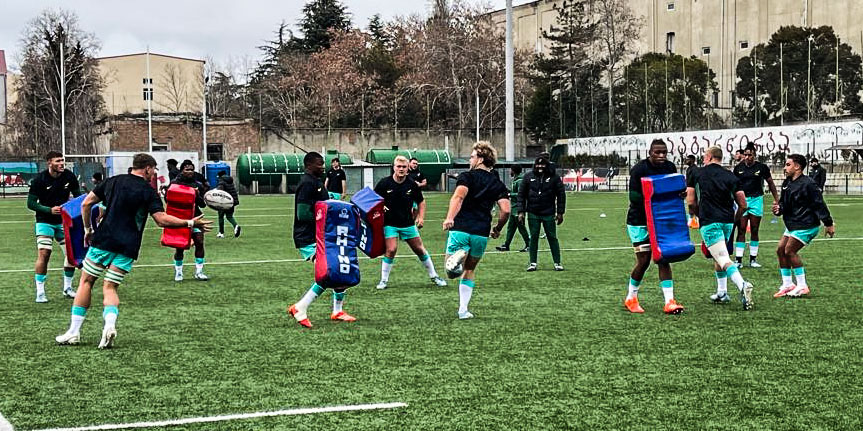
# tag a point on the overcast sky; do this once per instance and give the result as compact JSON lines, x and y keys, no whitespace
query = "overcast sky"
{"x":220,"y":29}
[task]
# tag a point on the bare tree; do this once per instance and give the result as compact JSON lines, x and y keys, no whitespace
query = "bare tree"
{"x":617,"y":29}
{"x":173,"y":89}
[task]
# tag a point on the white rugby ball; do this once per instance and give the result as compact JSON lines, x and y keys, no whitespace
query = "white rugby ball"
{"x":219,"y":200}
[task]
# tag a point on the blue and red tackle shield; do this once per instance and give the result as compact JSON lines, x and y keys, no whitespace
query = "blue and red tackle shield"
{"x":73,"y":228}
{"x":666,"y":218}
{"x":180,"y":202}
{"x":371,"y":234}
{"x":336,"y":228}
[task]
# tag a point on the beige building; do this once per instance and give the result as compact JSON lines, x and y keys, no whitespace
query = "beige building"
{"x":175,"y":84}
{"x":718,"y":31}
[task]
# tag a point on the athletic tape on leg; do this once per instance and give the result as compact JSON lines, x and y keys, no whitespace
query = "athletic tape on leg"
{"x":115,"y":277}
{"x":720,"y":254}
{"x":93,"y":269}
{"x":44,"y":242}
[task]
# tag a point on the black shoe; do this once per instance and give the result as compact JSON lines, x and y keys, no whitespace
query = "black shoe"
{"x":237,"y":231}
{"x":502,"y":248}
{"x":524,"y":250}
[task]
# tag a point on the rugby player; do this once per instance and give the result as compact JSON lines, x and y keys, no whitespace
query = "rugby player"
{"x":309,"y":191}
{"x":116,"y":241}
{"x":468,"y":219}
{"x":718,"y":190}
{"x":48,"y":191}
{"x":400,"y":193}
{"x":336,"y":181}
{"x":513,"y":224}
{"x":752,"y":175}
{"x":636,"y":227}
{"x":802,"y":208}
{"x":188,"y":177}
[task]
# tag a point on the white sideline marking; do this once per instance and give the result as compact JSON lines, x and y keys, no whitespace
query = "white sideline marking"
{"x":222,"y":418}
{"x":401,"y":256}
{"x":5,"y":425}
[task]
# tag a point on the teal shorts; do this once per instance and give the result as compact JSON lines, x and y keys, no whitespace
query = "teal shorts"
{"x":53,"y":230}
{"x":638,"y":235}
{"x":308,"y":251}
{"x":106,"y":259}
{"x":336,"y":196}
{"x":716,"y":232}
{"x":474,"y":244}
{"x":755,"y":206}
{"x":401,"y":232}
{"x":804,"y":235}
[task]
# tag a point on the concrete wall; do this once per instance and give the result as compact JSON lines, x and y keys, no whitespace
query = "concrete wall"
{"x":357,"y":144}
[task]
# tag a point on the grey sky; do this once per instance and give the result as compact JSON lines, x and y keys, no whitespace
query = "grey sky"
{"x":219,"y":29}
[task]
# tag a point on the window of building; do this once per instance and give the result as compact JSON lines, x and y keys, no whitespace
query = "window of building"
{"x":144,"y":81}
{"x":148,"y":94}
{"x":670,"y":5}
{"x":744,"y":44}
{"x":705,"y":50}
{"x":215,"y":152}
{"x":161,"y":147}
{"x":715,"y":99}
{"x":669,"y":42}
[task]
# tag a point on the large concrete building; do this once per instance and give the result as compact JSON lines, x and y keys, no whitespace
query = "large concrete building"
{"x":718,"y":31}
{"x":175,"y":84}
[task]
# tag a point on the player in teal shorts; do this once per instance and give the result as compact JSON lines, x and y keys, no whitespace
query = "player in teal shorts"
{"x":719,"y":190}
{"x":116,"y":242}
{"x":188,"y":177}
{"x":49,"y":190}
{"x":400,"y":193}
{"x":803,"y":210}
{"x":468,"y":220}
{"x":752,"y":175}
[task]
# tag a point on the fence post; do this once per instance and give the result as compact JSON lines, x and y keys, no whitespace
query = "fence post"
{"x":846,"y":184}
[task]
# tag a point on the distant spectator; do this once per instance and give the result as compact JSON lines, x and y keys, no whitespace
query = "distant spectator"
{"x":817,"y":173}
{"x":226,"y":183}
{"x":173,"y":170}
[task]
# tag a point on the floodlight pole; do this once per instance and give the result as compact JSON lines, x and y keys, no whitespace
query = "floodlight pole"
{"x":149,"y":89}
{"x":204,"y":118}
{"x":62,"y":100}
{"x":510,"y":86}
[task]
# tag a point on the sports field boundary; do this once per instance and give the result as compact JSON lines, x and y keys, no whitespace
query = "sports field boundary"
{"x":401,"y":256}
{"x":224,"y":418}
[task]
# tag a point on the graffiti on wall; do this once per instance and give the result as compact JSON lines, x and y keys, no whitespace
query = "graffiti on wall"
{"x":811,"y":139}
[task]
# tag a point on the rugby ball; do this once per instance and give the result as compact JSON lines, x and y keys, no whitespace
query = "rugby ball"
{"x":219,"y":200}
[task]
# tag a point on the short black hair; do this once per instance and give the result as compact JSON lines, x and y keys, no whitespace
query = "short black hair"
{"x":185,"y":163}
{"x":335,"y":159}
{"x":799,"y":159}
{"x":656,"y":142}
{"x":52,"y":155}
{"x":312,"y":157}
{"x":414,"y":158}
{"x":542,"y":160}
{"x":690,"y":157}
{"x":814,"y":160}
{"x":516,"y":169}
{"x":143,"y":160}
{"x":171,"y":162}
{"x":97,"y":176}
{"x":750,"y":147}
{"x":221,"y":173}
{"x":739,"y":152}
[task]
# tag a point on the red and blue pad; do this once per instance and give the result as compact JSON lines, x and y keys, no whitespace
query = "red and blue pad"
{"x":180,"y":202}
{"x":666,"y":218}
{"x":336,"y":229}
{"x":73,"y":228}
{"x":371,"y":234}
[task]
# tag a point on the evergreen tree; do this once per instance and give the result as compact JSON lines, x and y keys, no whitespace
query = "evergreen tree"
{"x":320,"y":17}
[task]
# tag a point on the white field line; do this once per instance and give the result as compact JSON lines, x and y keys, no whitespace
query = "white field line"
{"x":400,"y":256}
{"x":223,"y":418}
{"x":5,"y":425}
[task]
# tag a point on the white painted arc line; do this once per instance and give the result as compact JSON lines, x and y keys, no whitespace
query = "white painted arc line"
{"x":400,"y":256}
{"x":5,"y":425}
{"x":223,"y":418}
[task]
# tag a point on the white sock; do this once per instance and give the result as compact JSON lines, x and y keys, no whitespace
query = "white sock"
{"x":668,"y":293}
{"x":633,"y":289}
{"x":40,"y":287}
{"x":787,"y":281}
{"x":738,"y":252}
{"x":178,"y":269}
{"x":465,"y":290}
{"x":311,"y":295}
{"x":110,"y":319}
{"x":77,"y":321}
{"x":737,"y":279}
{"x":338,"y":304}
{"x":722,"y":286}
{"x":386,"y":267}
{"x":753,"y":250}
{"x":801,"y":280}
{"x":67,"y":282}
{"x":429,"y":266}
{"x":199,"y":267}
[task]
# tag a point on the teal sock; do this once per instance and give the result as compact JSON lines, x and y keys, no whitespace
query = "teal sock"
{"x":79,"y":311}
{"x":199,"y":261}
{"x":800,"y":275}
{"x":109,"y":314}
{"x":69,"y":272}
{"x":178,"y":263}
{"x":424,"y":258}
{"x":318,"y":289}
{"x":787,"y":279}
{"x":388,"y":260}
{"x":338,"y":301}
{"x":667,"y":289}
{"x":78,"y":316}
{"x":633,"y":288}
{"x":40,"y":278}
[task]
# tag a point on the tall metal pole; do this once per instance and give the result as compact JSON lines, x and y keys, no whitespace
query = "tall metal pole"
{"x":755,"y":70}
{"x":646,"y":116}
{"x":149,"y":89}
{"x":510,"y":86}
{"x":809,"y":80}
{"x":477,"y":114}
{"x":837,"y":70}
{"x":62,"y":100}
{"x":204,"y":123}
{"x":685,"y":99}
{"x":667,"y":107}
{"x":781,"y":86}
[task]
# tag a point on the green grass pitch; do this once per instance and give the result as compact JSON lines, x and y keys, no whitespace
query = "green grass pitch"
{"x":547,"y":350}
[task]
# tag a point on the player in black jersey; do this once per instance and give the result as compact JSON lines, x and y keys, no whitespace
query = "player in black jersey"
{"x":803,"y":210}
{"x":49,"y":190}
{"x":752,"y":175}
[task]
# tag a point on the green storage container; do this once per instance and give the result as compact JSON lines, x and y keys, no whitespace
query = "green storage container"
{"x":267,"y":168}
{"x":433,"y":163}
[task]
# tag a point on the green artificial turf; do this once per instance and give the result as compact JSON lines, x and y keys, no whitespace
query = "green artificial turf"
{"x":547,"y":350}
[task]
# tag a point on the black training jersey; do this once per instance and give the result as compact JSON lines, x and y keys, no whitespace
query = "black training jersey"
{"x":416,"y":175}
{"x":335,"y":177}
{"x":484,"y":189}
{"x":200,"y":189}
{"x":752,"y":178}
{"x":716,"y":186}
{"x":128,"y":199}
{"x":636,"y":215}
{"x":310,"y":190}
{"x":801,"y":204}
{"x":399,"y":199}
{"x":52,"y":192}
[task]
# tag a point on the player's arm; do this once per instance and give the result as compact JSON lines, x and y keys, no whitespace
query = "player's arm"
{"x":421,"y":207}
{"x":502,"y":216}
{"x":344,"y":187}
{"x":164,"y":219}
{"x":561,"y":199}
{"x":523,"y":193}
{"x":34,"y":205}
{"x":820,"y":207}
{"x":740,"y":197}
{"x":454,"y":206}
{"x":692,"y":201}
{"x":86,"y":208}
